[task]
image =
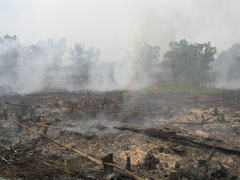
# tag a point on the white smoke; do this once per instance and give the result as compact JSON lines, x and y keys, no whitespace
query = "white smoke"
{"x":52,"y":64}
{"x":38,"y":62}
{"x":118,"y":28}
{"x":227,"y":68}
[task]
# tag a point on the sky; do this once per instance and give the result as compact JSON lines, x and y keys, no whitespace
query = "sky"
{"x":117,"y":27}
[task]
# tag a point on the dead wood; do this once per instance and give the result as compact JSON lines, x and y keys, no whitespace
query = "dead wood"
{"x":107,"y":159}
{"x":97,"y":162}
{"x":181,"y":139}
{"x":206,"y":161}
{"x":174,"y":175}
{"x":125,"y":171}
{"x":210,"y":156}
{"x":128,"y":165}
{"x":16,"y":104}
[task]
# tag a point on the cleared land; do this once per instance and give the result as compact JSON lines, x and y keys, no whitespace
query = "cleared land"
{"x":166,"y":135}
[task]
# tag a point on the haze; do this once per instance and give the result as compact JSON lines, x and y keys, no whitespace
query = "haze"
{"x":117,"y":26}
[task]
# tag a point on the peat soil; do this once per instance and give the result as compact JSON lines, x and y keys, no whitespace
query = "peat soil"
{"x":165,"y":135}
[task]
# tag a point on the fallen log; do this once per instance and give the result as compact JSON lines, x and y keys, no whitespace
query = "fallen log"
{"x":16,"y":104}
{"x":172,"y":136}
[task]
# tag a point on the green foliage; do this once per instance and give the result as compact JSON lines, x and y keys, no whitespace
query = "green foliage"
{"x":189,"y":63}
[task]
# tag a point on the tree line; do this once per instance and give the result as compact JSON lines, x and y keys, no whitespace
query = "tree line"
{"x":187,"y":63}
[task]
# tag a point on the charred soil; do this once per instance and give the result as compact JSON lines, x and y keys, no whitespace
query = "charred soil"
{"x":163,"y":135}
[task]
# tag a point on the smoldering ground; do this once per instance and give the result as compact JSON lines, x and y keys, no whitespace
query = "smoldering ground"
{"x":171,"y":126}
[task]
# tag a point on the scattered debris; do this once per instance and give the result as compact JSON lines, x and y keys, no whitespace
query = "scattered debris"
{"x":150,"y":162}
{"x":150,"y":135}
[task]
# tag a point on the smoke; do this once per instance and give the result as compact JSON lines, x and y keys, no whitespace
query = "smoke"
{"x":9,"y":52}
{"x":51,"y":64}
{"x":46,"y":64}
{"x":28,"y":69}
{"x":118,"y":28}
{"x":37,"y":62}
{"x":227,"y":68}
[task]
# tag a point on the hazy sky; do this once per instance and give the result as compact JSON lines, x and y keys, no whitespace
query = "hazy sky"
{"x":117,"y":26}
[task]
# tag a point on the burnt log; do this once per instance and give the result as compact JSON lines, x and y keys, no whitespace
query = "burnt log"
{"x":166,"y":134}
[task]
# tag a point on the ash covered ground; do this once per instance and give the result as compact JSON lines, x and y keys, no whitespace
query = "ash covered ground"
{"x":166,"y":135}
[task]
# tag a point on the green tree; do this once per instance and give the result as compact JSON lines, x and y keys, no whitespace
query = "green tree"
{"x":190,"y":63}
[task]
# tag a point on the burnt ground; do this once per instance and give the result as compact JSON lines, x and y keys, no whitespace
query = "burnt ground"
{"x":166,"y":135}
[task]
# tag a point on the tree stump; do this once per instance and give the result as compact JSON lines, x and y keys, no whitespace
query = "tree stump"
{"x":106,"y":168}
{"x":128,"y":165}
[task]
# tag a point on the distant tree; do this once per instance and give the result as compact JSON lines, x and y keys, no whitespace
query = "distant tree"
{"x":8,"y":38}
{"x":82,"y":58}
{"x":148,"y":56}
{"x":9,"y":56}
{"x":47,"y":54}
{"x":228,"y":64}
{"x":190,"y":63}
{"x":146,"y":62}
